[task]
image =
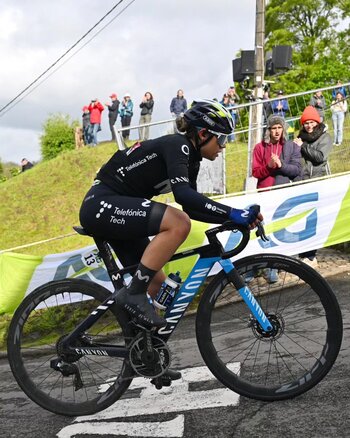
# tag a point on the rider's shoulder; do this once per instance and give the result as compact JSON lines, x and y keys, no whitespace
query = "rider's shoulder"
{"x":176,"y":140}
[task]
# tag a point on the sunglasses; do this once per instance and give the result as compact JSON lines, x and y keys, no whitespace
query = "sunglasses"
{"x":221,"y":138}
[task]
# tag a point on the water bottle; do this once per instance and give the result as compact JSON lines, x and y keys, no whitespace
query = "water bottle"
{"x":167,"y":291}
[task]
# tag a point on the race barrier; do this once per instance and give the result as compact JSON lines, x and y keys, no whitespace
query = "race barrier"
{"x":297,"y":218}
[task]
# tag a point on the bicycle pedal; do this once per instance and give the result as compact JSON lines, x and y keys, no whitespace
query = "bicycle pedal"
{"x":161,"y":381}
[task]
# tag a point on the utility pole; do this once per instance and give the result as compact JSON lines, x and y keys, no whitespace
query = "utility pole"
{"x":256,"y":111}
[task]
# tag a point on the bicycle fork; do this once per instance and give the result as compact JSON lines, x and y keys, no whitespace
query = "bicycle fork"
{"x":246,"y":294}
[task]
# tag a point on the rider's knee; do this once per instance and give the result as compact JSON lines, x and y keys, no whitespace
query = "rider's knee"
{"x":178,"y":222}
{"x":184,"y":224}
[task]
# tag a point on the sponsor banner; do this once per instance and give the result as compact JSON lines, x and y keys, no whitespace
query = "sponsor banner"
{"x":16,"y":271}
{"x":297,"y":218}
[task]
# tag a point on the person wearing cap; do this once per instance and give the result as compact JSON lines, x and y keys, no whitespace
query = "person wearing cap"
{"x":315,"y":146}
{"x":276,"y":161}
{"x":339,"y":107}
{"x":95,"y":109}
{"x":113,"y":109}
{"x":126,"y":113}
{"x":86,"y":125}
{"x":280,"y":107}
{"x":146,"y":115}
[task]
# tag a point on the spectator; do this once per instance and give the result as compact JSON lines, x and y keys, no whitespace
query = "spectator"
{"x":280,"y":107}
{"x":226,"y":103}
{"x":338,"y":108}
{"x":267,"y":109}
{"x":315,"y":145}
{"x":318,"y":101}
{"x":233,"y":96}
{"x":234,"y":100}
{"x":178,"y":104}
{"x":340,"y":88}
{"x":86,"y":125}
{"x":276,"y":161}
{"x":126,"y":113}
{"x":95,"y":109}
{"x":26,"y":165}
{"x":113,"y":109}
{"x":146,"y":114}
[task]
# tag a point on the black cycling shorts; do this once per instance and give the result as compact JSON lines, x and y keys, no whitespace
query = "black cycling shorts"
{"x":124,"y":221}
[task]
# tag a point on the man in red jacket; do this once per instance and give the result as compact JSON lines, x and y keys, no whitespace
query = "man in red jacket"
{"x":276,"y":161}
{"x":95,"y":109}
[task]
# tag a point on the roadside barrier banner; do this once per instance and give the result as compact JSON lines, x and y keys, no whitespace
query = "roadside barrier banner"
{"x":297,"y":218}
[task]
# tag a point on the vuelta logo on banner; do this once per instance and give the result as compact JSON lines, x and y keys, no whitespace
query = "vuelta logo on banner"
{"x":281,"y":220}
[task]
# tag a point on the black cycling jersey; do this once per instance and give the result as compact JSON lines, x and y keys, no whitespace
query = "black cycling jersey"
{"x":168,"y":163}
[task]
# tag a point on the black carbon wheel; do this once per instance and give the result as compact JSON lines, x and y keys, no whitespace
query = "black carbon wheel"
{"x":295,"y":355}
{"x":37,"y":330}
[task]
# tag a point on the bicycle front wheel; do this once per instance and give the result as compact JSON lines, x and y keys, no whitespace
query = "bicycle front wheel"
{"x":37,"y":330}
{"x":296,"y":354}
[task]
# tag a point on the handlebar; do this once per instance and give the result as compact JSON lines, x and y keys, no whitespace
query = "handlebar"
{"x":230,"y":226}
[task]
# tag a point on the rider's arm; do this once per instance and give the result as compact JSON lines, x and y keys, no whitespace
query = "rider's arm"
{"x":181,"y":167}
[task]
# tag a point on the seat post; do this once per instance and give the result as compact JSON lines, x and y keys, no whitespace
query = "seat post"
{"x":111,"y":265}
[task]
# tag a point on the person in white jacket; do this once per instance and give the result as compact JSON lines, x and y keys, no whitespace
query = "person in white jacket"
{"x":339,"y":107}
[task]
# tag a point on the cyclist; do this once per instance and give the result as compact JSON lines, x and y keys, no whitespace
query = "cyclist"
{"x":118,"y":205}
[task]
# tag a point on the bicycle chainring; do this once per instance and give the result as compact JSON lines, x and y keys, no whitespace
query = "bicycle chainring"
{"x":143,"y":364}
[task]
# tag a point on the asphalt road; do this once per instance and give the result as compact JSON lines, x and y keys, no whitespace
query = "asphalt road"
{"x":173,"y":412}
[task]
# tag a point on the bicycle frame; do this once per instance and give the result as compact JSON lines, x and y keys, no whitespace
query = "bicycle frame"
{"x":184,"y":297}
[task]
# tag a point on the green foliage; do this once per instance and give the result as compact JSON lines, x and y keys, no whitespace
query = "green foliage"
{"x":320,"y":49}
{"x":14,"y":171}
{"x":58,"y":136}
{"x":1,"y":169}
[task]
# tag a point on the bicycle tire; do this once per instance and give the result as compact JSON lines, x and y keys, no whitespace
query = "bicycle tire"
{"x":307,"y":329}
{"x":44,"y":317}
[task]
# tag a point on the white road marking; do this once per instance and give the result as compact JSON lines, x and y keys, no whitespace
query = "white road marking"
{"x":176,"y":398}
{"x":172,"y":429}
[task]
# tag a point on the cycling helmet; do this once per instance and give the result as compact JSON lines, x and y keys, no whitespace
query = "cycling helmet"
{"x":211,"y":115}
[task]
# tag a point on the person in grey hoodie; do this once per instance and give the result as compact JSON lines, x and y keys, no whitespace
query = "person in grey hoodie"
{"x":318,"y":102}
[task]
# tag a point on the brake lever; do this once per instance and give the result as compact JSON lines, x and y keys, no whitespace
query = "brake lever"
{"x":260,"y":232}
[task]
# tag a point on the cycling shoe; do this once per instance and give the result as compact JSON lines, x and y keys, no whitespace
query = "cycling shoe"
{"x":172,"y":374}
{"x":166,"y":378}
{"x":139,"y":307}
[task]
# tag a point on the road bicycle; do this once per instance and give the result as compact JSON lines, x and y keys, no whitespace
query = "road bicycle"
{"x":74,"y":352}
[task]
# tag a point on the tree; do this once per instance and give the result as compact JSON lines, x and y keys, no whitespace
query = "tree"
{"x":58,"y":135}
{"x":320,"y":47}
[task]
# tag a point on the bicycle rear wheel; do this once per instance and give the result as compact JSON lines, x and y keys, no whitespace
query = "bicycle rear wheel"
{"x":41,"y":322}
{"x":306,"y":335}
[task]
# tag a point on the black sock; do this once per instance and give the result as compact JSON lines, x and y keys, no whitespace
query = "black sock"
{"x":141,"y":280}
